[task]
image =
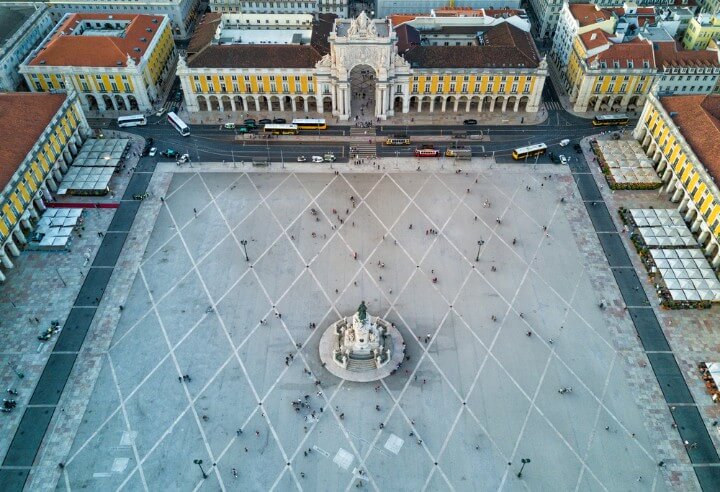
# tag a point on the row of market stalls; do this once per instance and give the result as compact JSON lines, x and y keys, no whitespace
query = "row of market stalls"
{"x":627,"y":164}
{"x":676,"y":256}
{"x":94,"y":166}
{"x":55,"y":229}
{"x":89,"y":175}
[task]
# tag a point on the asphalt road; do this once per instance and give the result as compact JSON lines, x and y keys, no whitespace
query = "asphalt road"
{"x":213,"y":143}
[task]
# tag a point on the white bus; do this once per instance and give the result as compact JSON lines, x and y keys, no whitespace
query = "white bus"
{"x":310,"y":123}
{"x":132,"y":120}
{"x":178,"y":124}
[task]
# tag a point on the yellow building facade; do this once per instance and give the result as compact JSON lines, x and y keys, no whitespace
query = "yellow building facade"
{"x":115,"y":62}
{"x":701,"y":31}
{"x":346,"y":60}
{"x":605,"y":76}
{"x":681,"y":134}
{"x":34,"y":160}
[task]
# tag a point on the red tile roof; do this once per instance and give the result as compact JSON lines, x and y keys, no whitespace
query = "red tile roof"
{"x":594,"y":39}
{"x":637,"y":51}
{"x":505,"y":46}
{"x":35,"y":111}
{"x":671,"y":54}
{"x":67,"y":49}
{"x":588,"y":14}
{"x":698,"y":119}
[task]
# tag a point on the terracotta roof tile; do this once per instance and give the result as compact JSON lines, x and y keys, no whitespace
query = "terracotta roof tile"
{"x":68,"y":49}
{"x":256,"y":56}
{"x":594,"y":39}
{"x":638,"y":51}
{"x":506,"y":46}
{"x":671,"y":54}
{"x":698,"y":119}
{"x":205,"y":32}
{"x":266,"y":55}
{"x":588,"y":14}
{"x":35,"y":110}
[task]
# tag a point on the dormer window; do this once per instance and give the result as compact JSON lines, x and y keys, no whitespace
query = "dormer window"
{"x":603,"y":64}
{"x":616,"y":64}
{"x":646,"y":64}
{"x":630,"y":64}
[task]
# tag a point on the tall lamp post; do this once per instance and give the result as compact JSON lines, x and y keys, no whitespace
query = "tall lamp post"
{"x":199,"y":463}
{"x":477,"y":257}
{"x":524,"y":462}
{"x":243,"y":242}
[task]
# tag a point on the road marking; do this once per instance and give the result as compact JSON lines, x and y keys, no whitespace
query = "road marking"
{"x":321,"y":451}
{"x":128,"y":438}
{"x":394,"y":444}
{"x":119,"y":465}
{"x":343,"y":459}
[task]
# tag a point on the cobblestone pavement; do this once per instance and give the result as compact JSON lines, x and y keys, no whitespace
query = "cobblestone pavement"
{"x":692,"y":334}
{"x":480,"y":394}
{"x":41,"y":288}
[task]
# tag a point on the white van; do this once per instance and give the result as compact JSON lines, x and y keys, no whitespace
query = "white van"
{"x":564,"y":142}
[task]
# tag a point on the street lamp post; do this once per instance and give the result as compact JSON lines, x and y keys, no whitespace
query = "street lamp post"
{"x":477,"y":258}
{"x":199,"y":463}
{"x":524,"y":462}
{"x":243,"y":242}
{"x":14,"y":368}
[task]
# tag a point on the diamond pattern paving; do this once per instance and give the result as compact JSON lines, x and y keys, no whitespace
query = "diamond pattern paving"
{"x":474,"y":395}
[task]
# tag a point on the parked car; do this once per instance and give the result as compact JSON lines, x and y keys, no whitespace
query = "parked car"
{"x":317,"y":158}
{"x":563,"y":159}
{"x":301,"y":158}
{"x":279,"y":121}
{"x":169,"y":153}
{"x":265,"y":121}
{"x":564,"y":142}
{"x":152,"y":152}
{"x":250,"y":123}
{"x":184,"y":158}
{"x":229,"y":126}
{"x":329,"y":158}
{"x":470,"y":122}
{"x":178,"y":96}
{"x":577,"y":148}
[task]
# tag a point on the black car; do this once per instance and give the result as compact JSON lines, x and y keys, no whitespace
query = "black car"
{"x":178,"y":96}
{"x":265,"y":121}
{"x":470,"y":122}
{"x":577,"y":148}
{"x":279,"y":121}
{"x":250,"y":123}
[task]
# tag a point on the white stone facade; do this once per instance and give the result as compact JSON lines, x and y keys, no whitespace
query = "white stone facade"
{"x":182,"y":13}
{"x":337,"y":7}
{"x":389,"y":7}
{"x":18,"y":44}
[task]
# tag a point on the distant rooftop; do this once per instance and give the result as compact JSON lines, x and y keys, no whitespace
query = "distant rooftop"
{"x":12,"y":17}
{"x":99,"y":40}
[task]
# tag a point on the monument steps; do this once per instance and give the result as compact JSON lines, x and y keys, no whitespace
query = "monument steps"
{"x":361,"y":365}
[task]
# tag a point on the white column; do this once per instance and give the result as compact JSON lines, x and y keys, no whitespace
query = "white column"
{"x":467,"y":105}
{"x":12,"y":247}
{"x":33,"y":213}
{"x":50,"y":182}
{"x":677,"y":195}
{"x":5,"y":259}
{"x":305,"y":104}
{"x":19,"y":235}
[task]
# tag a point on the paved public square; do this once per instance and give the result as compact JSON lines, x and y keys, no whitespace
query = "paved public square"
{"x":465,"y":407}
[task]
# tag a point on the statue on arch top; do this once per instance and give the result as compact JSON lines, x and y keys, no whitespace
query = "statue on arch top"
{"x":362,"y":27}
